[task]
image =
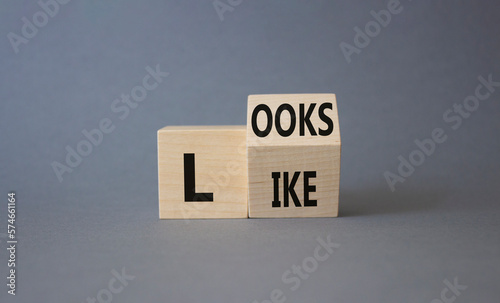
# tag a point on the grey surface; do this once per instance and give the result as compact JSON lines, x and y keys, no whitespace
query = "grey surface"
{"x":441,"y":223}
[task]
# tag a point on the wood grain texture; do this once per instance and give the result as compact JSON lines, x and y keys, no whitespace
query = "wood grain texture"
{"x":274,"y":101}
{"x":293,"y":154}
{"x":220,"y":165}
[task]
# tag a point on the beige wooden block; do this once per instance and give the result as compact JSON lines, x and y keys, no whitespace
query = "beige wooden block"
{"x":202,"y":172}
{"x":293,"y":144}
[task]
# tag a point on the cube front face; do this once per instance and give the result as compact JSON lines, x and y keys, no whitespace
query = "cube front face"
{"x":311,"y":174}
{"x":202,"y":172}
{"x":293,"y":160}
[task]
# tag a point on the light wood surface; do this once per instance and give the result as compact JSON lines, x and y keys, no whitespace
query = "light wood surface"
{"x":294,"y":154}
{"x":274,"y":101}
{"x":220,"y":162}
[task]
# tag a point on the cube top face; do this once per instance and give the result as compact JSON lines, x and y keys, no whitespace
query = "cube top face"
{"x":202,"y":172}
{"x":202,"y":128}
{"x":292,"y":119}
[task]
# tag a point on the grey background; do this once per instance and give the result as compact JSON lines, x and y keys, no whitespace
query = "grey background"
{"x":441,"y":223}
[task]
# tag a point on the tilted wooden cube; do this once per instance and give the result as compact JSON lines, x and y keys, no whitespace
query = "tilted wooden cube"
{"x":202,"y":172}
{"x":293,"y":145}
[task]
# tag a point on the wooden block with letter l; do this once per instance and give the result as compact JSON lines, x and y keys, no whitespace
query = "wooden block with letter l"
{"x":293,"y":145}
{"x":202,"y":172}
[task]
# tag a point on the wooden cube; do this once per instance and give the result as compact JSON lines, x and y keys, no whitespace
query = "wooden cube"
{"x":202,"y":172}
{"x":293,"y":145}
